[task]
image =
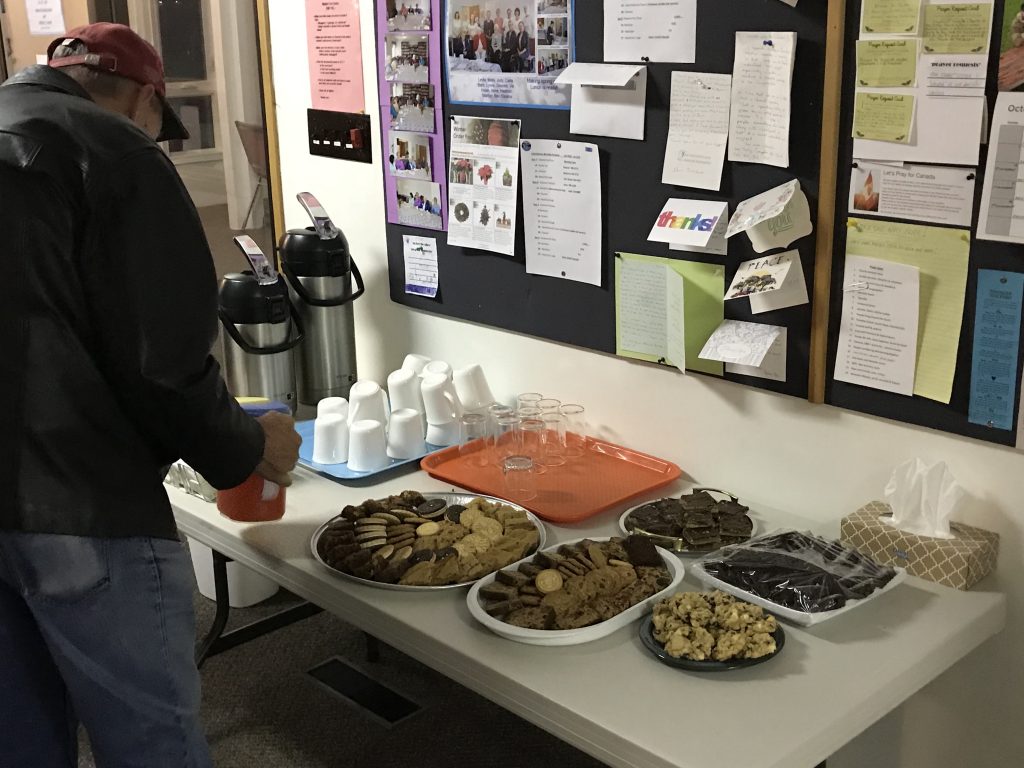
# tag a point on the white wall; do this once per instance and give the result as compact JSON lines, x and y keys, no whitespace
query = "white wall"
{"x":817,"y":461}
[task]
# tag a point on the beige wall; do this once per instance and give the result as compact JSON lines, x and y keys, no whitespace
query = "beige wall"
{"x":818,"y":461}
{"x":23,"y":47}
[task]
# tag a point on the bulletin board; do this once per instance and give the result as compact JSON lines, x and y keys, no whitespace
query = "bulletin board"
{"x":984,"y":254}
{"x":495,"y":290}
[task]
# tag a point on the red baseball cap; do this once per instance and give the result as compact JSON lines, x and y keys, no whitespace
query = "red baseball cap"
{"x":116,"y":49}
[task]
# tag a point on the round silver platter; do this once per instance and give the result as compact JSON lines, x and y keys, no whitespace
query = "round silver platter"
{"x":676,"y":545}
{"x":449,"y":499}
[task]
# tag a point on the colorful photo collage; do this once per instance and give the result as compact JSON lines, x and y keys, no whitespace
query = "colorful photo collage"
{"x":501,"y":53}
{"x":409,"y":76}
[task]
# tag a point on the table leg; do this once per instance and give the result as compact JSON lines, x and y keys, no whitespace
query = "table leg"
{"x":220,"y":619}
{"x":217,"y":641}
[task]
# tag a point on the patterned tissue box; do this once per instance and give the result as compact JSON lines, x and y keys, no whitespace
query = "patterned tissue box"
{"x":959,"y":562}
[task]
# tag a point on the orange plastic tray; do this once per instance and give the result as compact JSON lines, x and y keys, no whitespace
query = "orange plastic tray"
{"x":604,"y":477}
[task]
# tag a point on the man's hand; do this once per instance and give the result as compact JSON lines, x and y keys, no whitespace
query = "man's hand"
{"x":281,"y":449}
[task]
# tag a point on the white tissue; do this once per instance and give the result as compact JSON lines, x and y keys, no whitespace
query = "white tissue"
{"x":923,"y":498}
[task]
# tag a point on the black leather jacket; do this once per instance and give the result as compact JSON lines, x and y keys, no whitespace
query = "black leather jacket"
{"x":107,"y":319}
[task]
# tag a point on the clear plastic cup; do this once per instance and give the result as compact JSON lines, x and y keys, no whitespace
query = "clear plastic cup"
{"x":520,"y":480}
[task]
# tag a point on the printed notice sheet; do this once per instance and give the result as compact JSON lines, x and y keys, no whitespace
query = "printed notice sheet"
{"x":762,"y":79}
{"x":650,"y":30}
{"x":45,"y":17}
{"x":698,"y":130}
{"x":996,"y":346}
{"x":420,"y":254}
{"x":930,"y":193}
{"x":562,"y":209}
{"x":941,"y":254}
{"x":891,"y":17}
{"x":1002,"y":207}
{"x":878,"y":331}
{"x":647,"y":285}
{"x":483,"y":181}
{"x":335,"y":55}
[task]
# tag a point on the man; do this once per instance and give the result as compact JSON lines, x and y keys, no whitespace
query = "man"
{"x":106,"y":378}
{"x":488,"y":25}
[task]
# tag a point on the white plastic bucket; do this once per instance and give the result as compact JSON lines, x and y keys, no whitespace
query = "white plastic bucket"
{"x":245,"y":586}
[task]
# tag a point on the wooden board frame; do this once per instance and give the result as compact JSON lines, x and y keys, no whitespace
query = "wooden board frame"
{"x":264,"y":51}
{"x":831,"y":122}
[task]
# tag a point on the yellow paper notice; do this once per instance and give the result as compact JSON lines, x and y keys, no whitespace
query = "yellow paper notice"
{"x":641,"y":330}
{"x":957,"y":28}
{"x":891,"y":17}
{"x":883,"y":117}
{"x":887,"y":63}
{"x":941,"y":254}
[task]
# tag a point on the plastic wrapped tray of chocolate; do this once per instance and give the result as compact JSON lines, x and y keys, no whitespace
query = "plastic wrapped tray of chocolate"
{"x":426,"y":541}
{"x":693,"y":524}
{"x":574,"y":593}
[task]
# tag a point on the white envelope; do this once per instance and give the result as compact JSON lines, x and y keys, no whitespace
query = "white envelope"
{"x":607,"y":99}
{"x":773,"y":219}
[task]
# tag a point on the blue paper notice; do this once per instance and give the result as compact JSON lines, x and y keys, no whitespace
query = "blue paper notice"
{"x":996,"y":343}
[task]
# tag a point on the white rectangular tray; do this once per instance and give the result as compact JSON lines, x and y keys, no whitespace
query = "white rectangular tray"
{"x":801,"y":618}
{"x":570,"y":636}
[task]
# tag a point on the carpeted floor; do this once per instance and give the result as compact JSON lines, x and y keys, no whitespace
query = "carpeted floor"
{"x":260,"y":708}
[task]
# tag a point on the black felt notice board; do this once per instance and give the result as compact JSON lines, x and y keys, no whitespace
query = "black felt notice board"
{"x":495,"y":290}
{"x":985,"y":254}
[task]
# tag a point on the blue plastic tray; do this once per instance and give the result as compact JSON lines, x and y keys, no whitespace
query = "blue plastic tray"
{"x":341,"y":471}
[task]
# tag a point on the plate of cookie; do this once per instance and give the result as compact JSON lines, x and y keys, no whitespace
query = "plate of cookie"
{"x":574,"y":593}
{"x":426,"y":541}
{"x":711,"y":632}
{"x":694,"y":524}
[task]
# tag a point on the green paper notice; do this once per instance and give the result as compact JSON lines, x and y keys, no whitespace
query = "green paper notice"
{"x":957,"y":28}
{"x":891,"y":17}
{"x":647,"y":314}
{"x":887,"y":63}
{"x":941,"y":254}
{"x":883,"y":117}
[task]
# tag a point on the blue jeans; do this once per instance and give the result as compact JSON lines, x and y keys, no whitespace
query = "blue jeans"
{"x":102,"y":632}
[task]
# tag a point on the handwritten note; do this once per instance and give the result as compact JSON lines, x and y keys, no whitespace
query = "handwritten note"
{"x":887,"y":63}
{"x":761,"y":91}
{"x":698,"y":130}
{"x":891,"y":17}
{"x":883,"y":117}
{"x":957,"y":28}
{"x":647,"y":305}
{"x":641,"y":308}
